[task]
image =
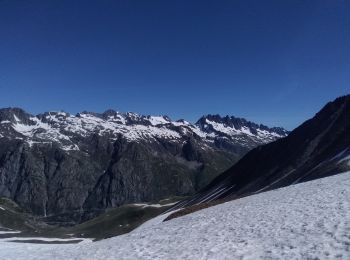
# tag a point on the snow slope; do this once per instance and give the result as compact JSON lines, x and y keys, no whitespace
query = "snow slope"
{"x":305,"y":221}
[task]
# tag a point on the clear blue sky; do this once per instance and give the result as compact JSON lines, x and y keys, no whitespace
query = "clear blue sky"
{"x":273,"y":62}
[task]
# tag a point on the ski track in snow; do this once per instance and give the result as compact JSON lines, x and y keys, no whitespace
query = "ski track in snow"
{"x":304,"y":221}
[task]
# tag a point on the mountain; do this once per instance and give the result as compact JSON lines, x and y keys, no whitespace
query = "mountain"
{"x":69,"y":168}
{"x":238,"y":131}
{"x":318,"y":148}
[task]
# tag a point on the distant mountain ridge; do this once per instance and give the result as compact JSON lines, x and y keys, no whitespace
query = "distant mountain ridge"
{"x":64,"y":128}
{"x":239,"y":123}
{"x":68,"y":168}
{"x":232,"y":127}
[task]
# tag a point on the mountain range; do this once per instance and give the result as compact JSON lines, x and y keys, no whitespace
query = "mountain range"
{"x":260,"y":219}
{"x":69,"y":168}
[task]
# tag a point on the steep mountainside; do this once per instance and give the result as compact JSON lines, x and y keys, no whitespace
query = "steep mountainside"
{"x":318,"y":148}
{"x":70,"y":167}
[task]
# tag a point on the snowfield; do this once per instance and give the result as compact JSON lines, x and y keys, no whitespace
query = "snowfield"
{"x":305,"y":221}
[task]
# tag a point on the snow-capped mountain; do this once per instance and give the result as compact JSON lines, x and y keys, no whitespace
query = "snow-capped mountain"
{"x":69,"y":167}
{"x":238,"y":130}
{"x":319,"y":147}
{"x":67,"y":130}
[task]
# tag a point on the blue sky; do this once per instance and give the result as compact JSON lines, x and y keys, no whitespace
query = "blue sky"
{"x":273,"y":62}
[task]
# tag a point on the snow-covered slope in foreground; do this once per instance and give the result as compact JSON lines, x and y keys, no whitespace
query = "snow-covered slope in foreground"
{"x":305,"y":221}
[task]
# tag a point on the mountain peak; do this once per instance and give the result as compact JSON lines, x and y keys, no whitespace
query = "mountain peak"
{"x":13,"y":115}
{"x":334,"y":105}
{"x":234,"y":125}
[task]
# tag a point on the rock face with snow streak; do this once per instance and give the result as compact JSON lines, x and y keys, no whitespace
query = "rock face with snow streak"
{"x":68,"y":167}
{"x":228,"y":132}
{"x":318,"y":148}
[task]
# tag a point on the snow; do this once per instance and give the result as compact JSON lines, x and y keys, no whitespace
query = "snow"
{"x":304,"y":221}
{"x":262,"y":135}
{"x":63,"y":128}
{"x":8,"y":232}
{"x":339,"y":155}
{"x":16,"y":118}
{"x":200,"y":133}
{"x":25,"y":130}
{"x":55,"y":130}
{"x":42,"y":131}
{"x":145,"y":205}
{"x":181,"y":123}
{"x":213,"y":195}
{"x":267,"y":134}
{"x":158,"y":120}
{"x":2,"y":208}
{"x":345,"y":159}
{"x":222,"y":128}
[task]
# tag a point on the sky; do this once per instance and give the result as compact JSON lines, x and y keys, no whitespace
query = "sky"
{"x":272,"y":62}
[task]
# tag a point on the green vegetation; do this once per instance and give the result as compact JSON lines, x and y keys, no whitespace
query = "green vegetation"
{"x":111,"y":223}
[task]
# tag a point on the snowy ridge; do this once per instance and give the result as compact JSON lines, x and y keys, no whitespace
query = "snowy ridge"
{"x":232,"y":127}
{"x":303,"y":221}
{"x":66,"y":129}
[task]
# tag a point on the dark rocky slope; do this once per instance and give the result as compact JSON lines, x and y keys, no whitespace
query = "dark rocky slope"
{"x":318,"y":148}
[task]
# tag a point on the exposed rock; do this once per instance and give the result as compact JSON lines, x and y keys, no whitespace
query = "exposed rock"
{"x":69,"y":168}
